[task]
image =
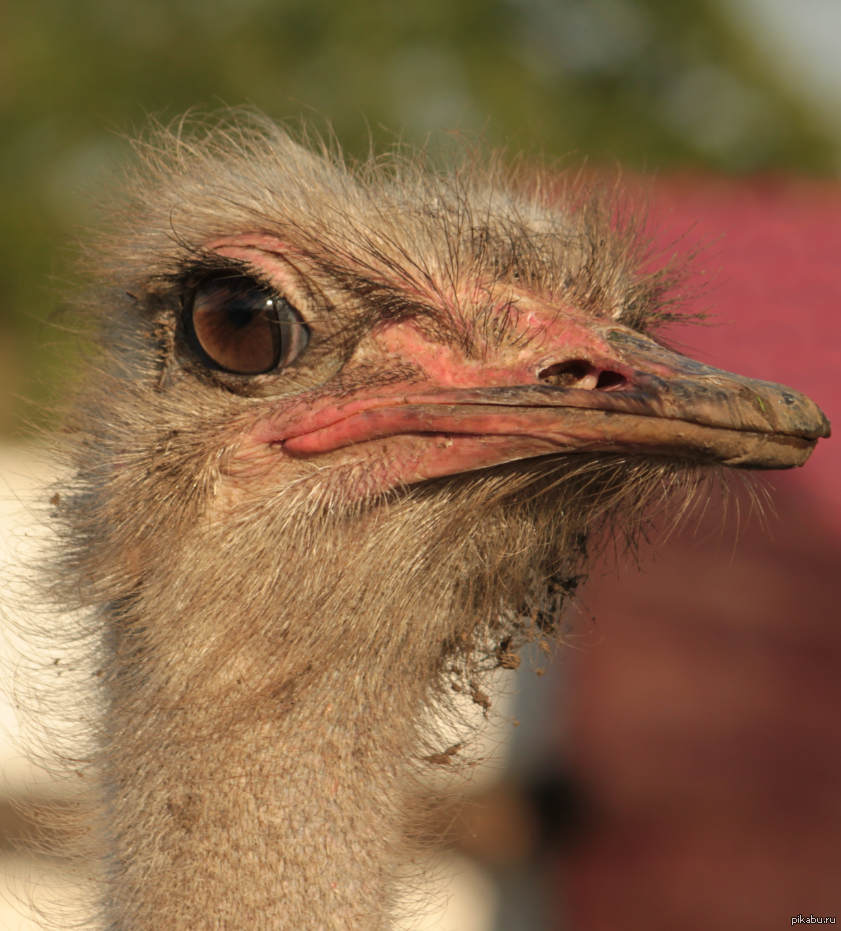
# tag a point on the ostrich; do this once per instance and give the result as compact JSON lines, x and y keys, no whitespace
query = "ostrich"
{"x":350,"y":437}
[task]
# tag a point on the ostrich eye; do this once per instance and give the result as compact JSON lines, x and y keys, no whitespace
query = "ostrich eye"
{"x":239,"y":326}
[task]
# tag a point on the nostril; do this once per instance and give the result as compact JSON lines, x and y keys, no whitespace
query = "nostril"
{"x":608,"y":380}
{"x":567,"y":374}
{"x":579,"y":373}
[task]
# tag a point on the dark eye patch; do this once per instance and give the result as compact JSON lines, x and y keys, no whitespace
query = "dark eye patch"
{"x":237,"y":325}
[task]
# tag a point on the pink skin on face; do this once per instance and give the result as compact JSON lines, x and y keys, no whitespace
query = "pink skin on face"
{"x":443,"y":372}
{"x":411,"y":432}
{"x":382,"y":429}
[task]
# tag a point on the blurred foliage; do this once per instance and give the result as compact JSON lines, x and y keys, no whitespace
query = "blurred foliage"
{"x":650,"y":83}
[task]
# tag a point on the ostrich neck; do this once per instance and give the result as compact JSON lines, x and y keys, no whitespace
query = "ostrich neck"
{"x":268,"y":685}
{"x":276,"y":802}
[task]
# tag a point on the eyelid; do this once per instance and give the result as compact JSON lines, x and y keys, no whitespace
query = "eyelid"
{"x":299,"y":335}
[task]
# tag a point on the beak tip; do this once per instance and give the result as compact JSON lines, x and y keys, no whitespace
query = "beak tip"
{"x":826,"y":428}
{"x":775,"y":452}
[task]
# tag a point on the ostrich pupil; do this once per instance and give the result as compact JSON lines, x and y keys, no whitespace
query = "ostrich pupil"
{"x":241,"y":314}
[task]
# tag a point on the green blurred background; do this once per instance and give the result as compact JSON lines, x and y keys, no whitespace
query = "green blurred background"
{"x":656,"y":85}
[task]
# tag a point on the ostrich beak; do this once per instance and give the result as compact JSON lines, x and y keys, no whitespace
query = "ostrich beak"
{"x":640,"y":399}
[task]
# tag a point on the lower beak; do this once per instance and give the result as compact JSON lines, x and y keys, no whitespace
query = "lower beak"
{"x":663,"y":404}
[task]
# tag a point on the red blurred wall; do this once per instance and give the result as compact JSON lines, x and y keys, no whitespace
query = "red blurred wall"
{"x":706,"y":714}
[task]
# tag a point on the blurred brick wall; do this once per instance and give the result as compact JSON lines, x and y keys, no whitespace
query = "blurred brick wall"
{"x":706,"y":716}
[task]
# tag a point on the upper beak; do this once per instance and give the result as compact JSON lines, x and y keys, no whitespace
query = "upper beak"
{"x":664,"y":405}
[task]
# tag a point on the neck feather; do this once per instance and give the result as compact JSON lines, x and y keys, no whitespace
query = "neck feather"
{"x":269,"y":685}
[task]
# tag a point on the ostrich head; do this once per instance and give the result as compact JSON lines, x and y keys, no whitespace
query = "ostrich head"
{"x":349,"y":442}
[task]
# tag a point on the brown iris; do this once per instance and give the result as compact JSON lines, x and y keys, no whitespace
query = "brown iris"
{"x":239,"y":326}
